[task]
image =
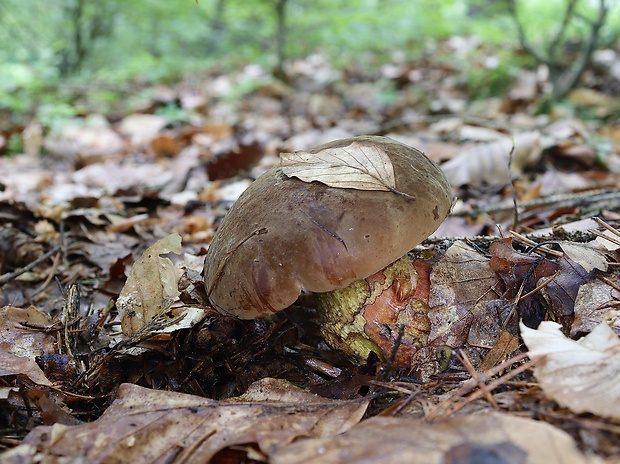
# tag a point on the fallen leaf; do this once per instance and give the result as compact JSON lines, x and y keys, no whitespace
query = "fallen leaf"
{"x":595,"y":303}
{"x":521,"y":273}
{"x":146,"y":426}
{"x":480,"y":438}
{"x":460,"y":281}
{"x":16,"y":365}
{"x":561,"y":291}
{"x":580,"y":375}
{"x":141,"y":128}
{"x":236,"y":158}
{"x":17,"y":339}
{"x":152,"y":286}
{"x":489,"y":162}
{"x":611,"y":243}
{"x":356,"y":166}
{"x":506,"y":344}
{"x":585,"y":255}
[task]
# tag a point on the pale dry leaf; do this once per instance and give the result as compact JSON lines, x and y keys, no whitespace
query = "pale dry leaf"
{"x":356,"y":166}
{"x":185,"y":317}
{"x":152,"y":286}
{"x":480,"y":438}
{"x":608,"y":244}
{"x":145,"y":426}
{"x":595,"y":303}
{"x":585,"y":255}
{"x":580,"y":375}
{"x":488,"y":162}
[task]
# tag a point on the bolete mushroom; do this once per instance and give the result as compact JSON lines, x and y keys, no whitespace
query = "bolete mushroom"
{"x":363,"y":203}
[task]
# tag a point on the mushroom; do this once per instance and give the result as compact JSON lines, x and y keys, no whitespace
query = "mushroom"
{"x":284,"y":235}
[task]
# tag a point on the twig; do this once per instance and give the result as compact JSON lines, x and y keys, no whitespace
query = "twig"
{"x":12,"y":275}
{"x":43,"y":286}
{"x":448,"y":406}
{"x":515,"y":205}
{"x":573,"y":199}
{"x":563,"y":77}
{"x":537,"y":247}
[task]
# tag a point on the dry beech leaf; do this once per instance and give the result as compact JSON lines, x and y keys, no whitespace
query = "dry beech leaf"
{"x":356,"y":166}
{"x":152,"y":286}
{"x":580,"y":375}
{"x":479,"y":438}
{"x":16,"y":365}
{"x":585,"y":255}
{"x":605,"y":244}
{"x":488,"y":162}
{"x":146,"y":426}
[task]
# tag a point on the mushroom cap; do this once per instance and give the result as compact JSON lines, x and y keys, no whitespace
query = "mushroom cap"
{"x":283,"y":235}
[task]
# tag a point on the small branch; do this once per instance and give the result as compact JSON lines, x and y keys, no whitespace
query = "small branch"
{"x":512,"y":8}
{"x":575,"y":199}
{"x":12,"y":275}
{"x":564,"y":77}
{"x":574,"y":73}
{"x":568,"y":14}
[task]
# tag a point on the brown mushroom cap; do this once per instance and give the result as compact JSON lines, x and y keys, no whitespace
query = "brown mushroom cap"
{"x":283,"y":235}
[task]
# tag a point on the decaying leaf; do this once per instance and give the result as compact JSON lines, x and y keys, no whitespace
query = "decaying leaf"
{"x":152,"y":286}
{"x":146,"y":426}
{"x":489,"y":162}
{"x":481,"y":438}
{"x":16,"y":338}
{"x":596,"y":303}
{"x":581,"y":375}
{"x":460,"y":281}
{"x":357,"y":166}
{"x":560,"y":292}
{"x":506,"y":344}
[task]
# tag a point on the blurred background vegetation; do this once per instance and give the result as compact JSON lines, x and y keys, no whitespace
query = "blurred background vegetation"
{"x":105,"y":48}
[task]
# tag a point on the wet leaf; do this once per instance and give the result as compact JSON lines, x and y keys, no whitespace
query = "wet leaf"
{"x":581,"y":375}
{"x":357,"y":166}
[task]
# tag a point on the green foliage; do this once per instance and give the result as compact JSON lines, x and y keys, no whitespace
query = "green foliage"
{"x":15,"y":144}
{"x":55,"y":116}
{"x":174,"y":113}
{"x":495,"y":78}
{"x":111,"y":43}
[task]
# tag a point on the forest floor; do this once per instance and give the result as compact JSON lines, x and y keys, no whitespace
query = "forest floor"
{"x":532,"y":236}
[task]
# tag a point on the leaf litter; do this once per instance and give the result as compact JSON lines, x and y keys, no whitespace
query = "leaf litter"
{"x":74,"y":382}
